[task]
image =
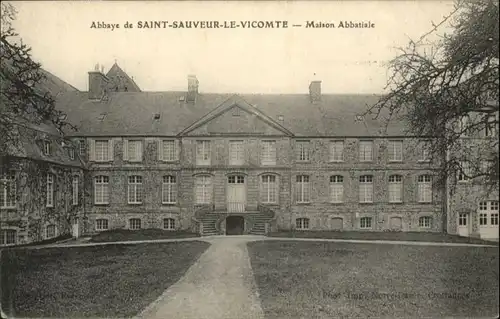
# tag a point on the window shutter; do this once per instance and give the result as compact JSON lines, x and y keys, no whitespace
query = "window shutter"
{"x":110,"y":150}
{"x":178,"y":149}
{"x":160,"y":150}
{"x":92,"y":150}
{"x":125,"y":150}
{"x":139,"y":151}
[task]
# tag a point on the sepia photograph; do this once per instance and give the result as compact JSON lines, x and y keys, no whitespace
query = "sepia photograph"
{"x":249,"y":159}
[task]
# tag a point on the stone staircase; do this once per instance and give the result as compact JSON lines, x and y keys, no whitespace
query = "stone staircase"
{"x":209,"y":221}
{"x":260,"y":218}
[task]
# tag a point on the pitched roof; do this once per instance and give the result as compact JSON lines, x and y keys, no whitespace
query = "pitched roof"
{"x":54,"y":85}
{"x":132,"y":113}
{"x":122,"y":81}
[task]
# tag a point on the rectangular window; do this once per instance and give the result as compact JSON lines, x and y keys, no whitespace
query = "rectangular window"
{"x":8,"y":237}
{"x":50,"y":231}
{"x":81,"y":147}
{"x":366,"y":189}
{"x":75,"y":190}
{"x":169,"y":190}
{"x":303,"y":150}
{"x":303,"y":191}
{"x":135,"y":190}
{"x":46,"y":147}
{"x":169,"y":223}
{"x":101,"y":151}
{"x":302,"y":223}
{"x":366,"y":151}
{"x":134,"y":151}
{"x":494,"y":218}
{"x":464,"y":171}
{"x":336,"y":151}
{"x":203,"y":190}
{"x":134,"y":223}
{"x":490,"y":125}
{"x":8,"y":190}
{"x":425,"y":151}
{"x":365,"y":223}
{"x":268,"y":155}
{"x":483,"y":219}
{"x":71,"y":153}
{"x":101,"y":189}
{"x":236,"y":153}
{"x":336,"y":189}
{"x":424,"y":189}
{"x":395,"y":189}
{"x":462,"y":219}
{"x":169,"y":150}
{"x":425,"y":222}
{"x":50,"y":190}
{"x":395,"y":151}
{"x":101,"y":224}
{"x":269,"y":189}
{"x":203,"y":152}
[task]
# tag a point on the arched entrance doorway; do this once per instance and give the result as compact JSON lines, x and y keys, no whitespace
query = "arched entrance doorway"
{"x":235,"y":225}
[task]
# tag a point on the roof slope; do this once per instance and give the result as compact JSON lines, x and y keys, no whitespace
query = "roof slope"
{"x":132,"y":113}
{"x":54,"y":85}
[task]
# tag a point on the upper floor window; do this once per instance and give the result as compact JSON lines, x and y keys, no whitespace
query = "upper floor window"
{"x":75,"y":184}
{"x":395,"y":151}
{"x":135,"y":190}
{"x":491,"y":125}
{"x":168,"y":150}
{"x":424,"y":189}
{"x":302,"y":189}
{"x":464,"y":171}
{"x":101,"y":190}
{"x":50,"y":190}
{"x":366,"y":151}
{"x":169,"y":190}
{"x":425,"y":147}
{"x":366,"y":189}
{"x":169,"y":223}
{"x":336,"y":151}
{"x":302,"y":223}
{"x":203,"y":152}
{"x":236,"y":153}
{"x":132,"y":150}
{"x":8,"y":190}
{"x":336,"y":189}
{"x":203,"y":189}
{"x":395,"y":189}
{"x":268,"y":155}
{"x":81,"y":147}
{"x":8,"y":237}
{"x":303,"y":149}
{"x":269,"y":189}
{"x":46,"y":147}
{"x":102,"y":151}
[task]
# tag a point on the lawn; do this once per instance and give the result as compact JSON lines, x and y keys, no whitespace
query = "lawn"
{"x":333,"y":280}
{"x":365,"y":235}
{"x":143,"y":234}
{"x":95,"y":281}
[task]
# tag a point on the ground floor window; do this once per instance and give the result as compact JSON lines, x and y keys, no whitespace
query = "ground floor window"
{"x":50,"y":231}
{"x":8,"y":237}
{"x":302,"y":223}
{"x":483,"y":219}
{"x":494,"y":219}
{"x":365,"y":222}
{"x":135,"y":223}
{"x":425,"y":222}
{"x":169,"y":223}
{"x":462,"y":219}
{"x":101,"y":224}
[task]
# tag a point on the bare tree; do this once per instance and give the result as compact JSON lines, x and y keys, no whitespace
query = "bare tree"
{"x":448,"y":91}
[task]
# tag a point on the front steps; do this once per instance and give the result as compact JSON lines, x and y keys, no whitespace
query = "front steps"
{"x":256,"y":218}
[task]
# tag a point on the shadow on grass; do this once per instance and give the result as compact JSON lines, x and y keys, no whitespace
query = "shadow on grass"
{"x":142,"y":234}
{"x":95,"y":281}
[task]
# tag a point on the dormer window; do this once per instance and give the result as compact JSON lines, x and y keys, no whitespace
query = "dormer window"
{"x":101,"y":116}
{"x":46,"y":147}
{"x":359,"y":118}
{"x":71,"y":152}
{"x":62,"y":117}
{"x":156,"y":116}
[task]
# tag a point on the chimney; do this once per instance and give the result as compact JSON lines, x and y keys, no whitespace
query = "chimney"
{"x":98,"y":83}
{"x":192,"y":88}
{"x":315,"y":91}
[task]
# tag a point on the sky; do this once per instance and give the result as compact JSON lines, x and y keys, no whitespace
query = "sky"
{"x":279,"y":60}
